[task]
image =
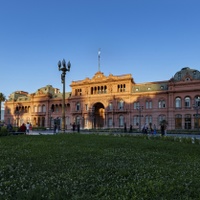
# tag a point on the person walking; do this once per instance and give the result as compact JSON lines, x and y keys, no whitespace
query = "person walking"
{"x":162,"y":128}
{"x":145,"y":129}
{"x":125,"y":129}
{"x":27,"y":128}
{"x":131,"y":129}
{"x":154,"y":129}
{"x":54,"y":128}
{"x":22,"y":128}
{"x":78,"y":127}
{"x":73,"y":126}
{"x":31,"y":128}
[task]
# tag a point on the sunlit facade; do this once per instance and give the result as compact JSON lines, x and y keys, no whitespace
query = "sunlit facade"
{"x":112,"y":102}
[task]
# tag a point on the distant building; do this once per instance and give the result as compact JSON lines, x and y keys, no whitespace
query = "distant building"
{"x":111,"y":102}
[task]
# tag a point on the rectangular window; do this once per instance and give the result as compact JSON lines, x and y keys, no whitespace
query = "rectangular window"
{"x":136,"y":105}
{"x":110,"y":122}
{"x":110,"y":106}
{"x":135,"y":120}
{"x":121,"y":121}
{"x":147,"y":104}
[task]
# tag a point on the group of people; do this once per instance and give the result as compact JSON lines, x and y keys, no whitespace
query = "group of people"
{"x":26,"y":128}
{"x":130,"y":129}
{"x":145,"y":129}
{"x":74,"y":127}
{"x":153,"y":130}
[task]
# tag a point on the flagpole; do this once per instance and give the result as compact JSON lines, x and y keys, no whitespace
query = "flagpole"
{"x":99,"y":53}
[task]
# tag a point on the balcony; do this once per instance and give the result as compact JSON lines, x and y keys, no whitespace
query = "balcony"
{"x":38,"y":113}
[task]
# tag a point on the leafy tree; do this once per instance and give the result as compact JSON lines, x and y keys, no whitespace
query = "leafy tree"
{"x":2,"y":99}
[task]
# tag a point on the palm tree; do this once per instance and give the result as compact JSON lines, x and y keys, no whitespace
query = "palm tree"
{"x":2,"y":99}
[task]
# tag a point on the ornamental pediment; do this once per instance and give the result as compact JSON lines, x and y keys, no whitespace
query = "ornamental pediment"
{"x":98,"y":75}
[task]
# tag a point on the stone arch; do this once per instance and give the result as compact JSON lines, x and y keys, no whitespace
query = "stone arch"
{"x":98,"y":115}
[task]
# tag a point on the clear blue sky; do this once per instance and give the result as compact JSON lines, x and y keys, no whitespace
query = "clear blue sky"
{"x":151,"y":39}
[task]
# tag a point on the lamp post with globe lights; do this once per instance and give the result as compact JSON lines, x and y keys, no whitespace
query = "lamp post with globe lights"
{"x":64,"y":68}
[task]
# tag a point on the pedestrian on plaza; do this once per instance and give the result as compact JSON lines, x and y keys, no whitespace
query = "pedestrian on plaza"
{"x":145,"y":129}
{"x":154,"y":129}
{"x":22,"y":128}
{"x":162,"y":128}
{"x":27,"y":128}
{"x":78,"y":127}
{"x":125,"y":129}
{"x":54,"y":128}
{"x":31,"y":127}
{"x":73,"y":126}
{"x":131,"y":129}
{"x":9,"y":128}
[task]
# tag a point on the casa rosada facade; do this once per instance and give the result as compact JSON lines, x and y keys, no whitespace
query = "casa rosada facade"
{"x":111,"y":102}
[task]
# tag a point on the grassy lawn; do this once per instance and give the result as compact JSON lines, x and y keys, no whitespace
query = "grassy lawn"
{"x":75,"y":166}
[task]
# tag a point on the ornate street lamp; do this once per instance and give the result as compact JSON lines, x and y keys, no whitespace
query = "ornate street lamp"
{"x":140,"y":108}
{"x":62,"y":67}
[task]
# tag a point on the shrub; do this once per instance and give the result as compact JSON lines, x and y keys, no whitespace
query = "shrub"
{"x":4,"y":131}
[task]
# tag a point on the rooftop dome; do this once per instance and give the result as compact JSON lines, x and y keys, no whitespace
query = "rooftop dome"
{"x":187,"y":74}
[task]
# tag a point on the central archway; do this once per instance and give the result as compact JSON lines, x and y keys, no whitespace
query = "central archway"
{"x":99,"y":115}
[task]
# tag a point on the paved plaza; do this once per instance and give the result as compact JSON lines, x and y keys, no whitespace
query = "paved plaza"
{"x":51,"y":132}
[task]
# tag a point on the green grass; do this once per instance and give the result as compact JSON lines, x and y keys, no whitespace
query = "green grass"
{"x":75,"y":166}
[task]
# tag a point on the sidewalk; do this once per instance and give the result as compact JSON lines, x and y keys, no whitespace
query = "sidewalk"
{"x":50,"y":132}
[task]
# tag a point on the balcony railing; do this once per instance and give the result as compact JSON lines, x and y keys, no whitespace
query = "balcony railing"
{"x":38,"y":113}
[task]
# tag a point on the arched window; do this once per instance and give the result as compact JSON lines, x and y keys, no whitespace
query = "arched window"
{"x":161,"y":118}
{"x":178,"y":121}
{"x":188,"y":124}
{"x":148,"y":104}
{"x":43,"y":108}
{"x":57,"y":108}
{"x":39,"y":108}
{"x":78,"y":120}
{"x":136,"y":120}
{"x":121,"y":105}
{"x":187,"y":102}
{"x":105,"y":89}
{"x":110,"y":106}
{"x":121,"y":120}
{"x":91,"y":90}
{"x":178,"y":102}
{"x":78,"y":106}
{"x":35,"y":108}
{"x":197,"y":101}
{"x":67,"y":120}
{"x":110,"y":122}
{"x":148,"y":119}
{"x":161,"y":104}
{"x":136,"y":105}
{"x":95,"y":90}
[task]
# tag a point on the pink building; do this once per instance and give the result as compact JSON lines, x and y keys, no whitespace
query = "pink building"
{"x":111,"y":102}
